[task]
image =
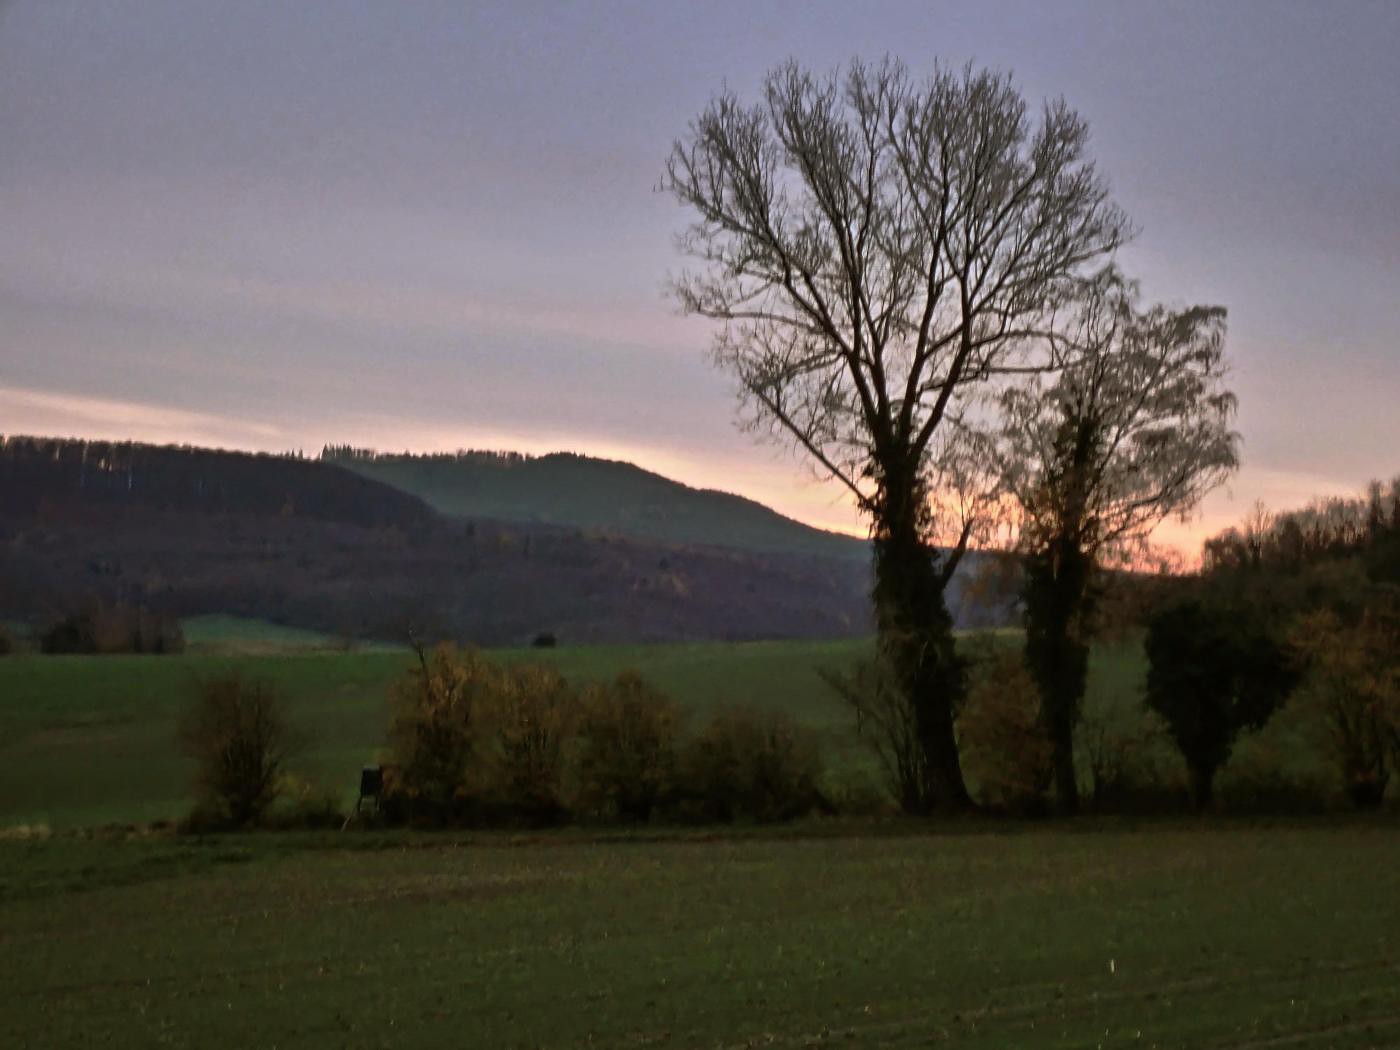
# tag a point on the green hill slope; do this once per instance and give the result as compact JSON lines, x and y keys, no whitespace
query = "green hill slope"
{"x":593,"y":494}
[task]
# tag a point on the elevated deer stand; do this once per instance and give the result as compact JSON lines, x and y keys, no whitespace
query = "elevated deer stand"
{"x":371,"y":787}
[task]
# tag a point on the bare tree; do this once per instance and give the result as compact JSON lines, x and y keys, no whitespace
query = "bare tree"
{"x":878,"y":251}
{"x":1134,"y":428}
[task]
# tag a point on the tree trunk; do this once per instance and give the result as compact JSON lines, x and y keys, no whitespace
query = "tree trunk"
{"x":916,"y":637}
{"x":1056,"y":594}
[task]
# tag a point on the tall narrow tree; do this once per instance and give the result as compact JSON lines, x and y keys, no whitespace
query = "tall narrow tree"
{"x":1134,"y":428}
{"x":878,"y":251}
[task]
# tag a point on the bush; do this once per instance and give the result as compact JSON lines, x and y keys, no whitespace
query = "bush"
{"x":626,"y":759}
{"x":855,"y":792}
{"x":1132,"y":766}
{"x":475,"y":742}
{"x":746,"y":766}
{"x":239,"y":739}
{"x":886,"y":723}
{"x":1353,"y":684}
{"x":432,"y":772}
{"x":302,"y":805}
{"x":7,"y":641}
{"x":524,"y":729}
{"x":1006,"y":751}
{"x":119,"y":629}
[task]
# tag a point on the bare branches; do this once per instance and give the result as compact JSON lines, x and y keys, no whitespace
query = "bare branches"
{"x":1133,"y":429}
{"x":875,"y":249}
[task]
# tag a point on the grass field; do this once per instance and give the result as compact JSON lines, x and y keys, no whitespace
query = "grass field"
{"x":830,"y":932}
{"x":90,"y":740}
{"x":827,"y":934}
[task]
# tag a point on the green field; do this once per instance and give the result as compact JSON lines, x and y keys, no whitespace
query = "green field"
{"x":90,"y":740}
{"x":819,"y":935}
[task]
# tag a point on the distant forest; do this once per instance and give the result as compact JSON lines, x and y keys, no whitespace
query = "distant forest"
{"x":46,"y":474}
{"x":484,"y":457}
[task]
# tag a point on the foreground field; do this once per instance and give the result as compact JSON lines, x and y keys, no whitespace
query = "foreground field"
{"x":1207,"y":936}
{"x":88,"y":740}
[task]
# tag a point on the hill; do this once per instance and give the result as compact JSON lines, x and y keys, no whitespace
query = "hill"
{"x":311,"y":545}
{"x":583,"y":492}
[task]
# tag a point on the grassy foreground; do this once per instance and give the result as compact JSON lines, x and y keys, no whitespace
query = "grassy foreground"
{"x":1073,"y":936}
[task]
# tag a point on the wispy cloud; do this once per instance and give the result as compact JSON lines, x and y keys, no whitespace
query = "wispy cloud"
{"x":49,"y":413}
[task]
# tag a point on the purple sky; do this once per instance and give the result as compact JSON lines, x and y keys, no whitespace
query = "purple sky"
{"x":432,"y":225}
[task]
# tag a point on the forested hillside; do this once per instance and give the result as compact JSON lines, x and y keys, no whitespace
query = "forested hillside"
{"x":597,"y":494}
{"x":306,"y":543}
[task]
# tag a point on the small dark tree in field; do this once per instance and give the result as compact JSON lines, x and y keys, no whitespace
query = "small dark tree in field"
{"x":1133,"y":428}
{"x":240,"y":741}
{"x":7,"y":641}
{"x":879,"y":252}
{"x":1353,"y":680}
{"x":1212,"y":674}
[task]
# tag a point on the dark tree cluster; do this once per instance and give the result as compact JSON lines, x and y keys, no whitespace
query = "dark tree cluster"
{"x":1302,"y":607}
{"x":100,"y":628}
{"x":1366,"y":529}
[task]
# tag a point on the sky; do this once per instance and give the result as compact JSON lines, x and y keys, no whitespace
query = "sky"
{"x":435,"y":225}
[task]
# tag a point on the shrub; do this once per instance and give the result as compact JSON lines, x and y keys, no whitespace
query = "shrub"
{"x":1260,"y":781}
{"x":1212,"y":673}
{"x":432,"y":771}
{"x":855,"y":792}
{"x":525,"y":726}
{"x":1005,"y":748}
{"x":1131,"y":764}
{"x":627,"y":749}
{"x":1353,"y":684}
{"x":119,"y":629}
{"x":749,"y":766}
{"x":885,"y":722}
{"x":7,"y":641}
{"x":302,"y":805}
{"x":473,"y":741}
{"x":237,"y":735}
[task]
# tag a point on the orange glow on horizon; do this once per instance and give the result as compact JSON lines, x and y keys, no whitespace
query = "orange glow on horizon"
{"x":782,"y":485}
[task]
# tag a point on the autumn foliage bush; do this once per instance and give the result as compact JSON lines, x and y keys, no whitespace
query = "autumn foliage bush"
{"x":476,"y":742}
{"x":1006,"y":751}
{"x":525,"y":728}
{"x":749,"y":766}
{"x":628,"y":737}
{"x":1352,"y":682}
